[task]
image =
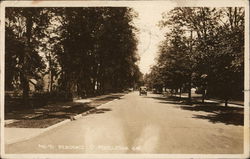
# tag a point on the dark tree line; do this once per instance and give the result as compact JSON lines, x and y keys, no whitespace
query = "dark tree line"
{"x":23,"y":29}
{"x":203,"y":48}
{"x":85,"y":51}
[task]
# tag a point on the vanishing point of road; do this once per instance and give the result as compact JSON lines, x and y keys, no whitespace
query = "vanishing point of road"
{"x":138,"y":124}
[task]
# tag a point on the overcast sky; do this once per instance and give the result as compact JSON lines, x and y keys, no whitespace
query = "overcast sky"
{"x":150,"y":15}
{"x":150,"y":34}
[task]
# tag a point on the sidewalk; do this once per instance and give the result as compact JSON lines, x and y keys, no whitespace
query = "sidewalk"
{"x":197,"y":97}
{"x":18,"y":134}
{"x":23,"y":125}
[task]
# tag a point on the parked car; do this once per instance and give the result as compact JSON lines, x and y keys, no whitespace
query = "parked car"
{"x":143,"y":90}
{"x":130,"y":89}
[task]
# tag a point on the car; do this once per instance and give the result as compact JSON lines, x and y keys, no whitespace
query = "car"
{"x":143,"y":90}
{"x":130,"y":89}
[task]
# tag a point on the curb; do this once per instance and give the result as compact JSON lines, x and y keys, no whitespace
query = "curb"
{"x":89,"y":111}
{"x":57,"y":124}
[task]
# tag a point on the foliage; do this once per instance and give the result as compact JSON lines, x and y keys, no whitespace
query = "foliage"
{"x":204,"y":46}
{"x":98,"y":44}
{"x":24,"y":29}
{"x":85,"y":51}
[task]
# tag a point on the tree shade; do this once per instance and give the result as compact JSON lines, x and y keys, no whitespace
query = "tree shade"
{"x":204,"y":48}
{"x":86,"y":51}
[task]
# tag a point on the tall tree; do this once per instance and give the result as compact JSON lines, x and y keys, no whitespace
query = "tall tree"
{"x":98,"y":49}
{"x":26,"y":27}
{"x":216,"y":48}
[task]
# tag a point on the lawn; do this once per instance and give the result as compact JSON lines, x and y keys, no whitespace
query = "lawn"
{"x":54,"y":113}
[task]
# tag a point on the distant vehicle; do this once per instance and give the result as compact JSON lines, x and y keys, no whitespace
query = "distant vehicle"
{"x":130,"y":89}
{"x":143,"y":90}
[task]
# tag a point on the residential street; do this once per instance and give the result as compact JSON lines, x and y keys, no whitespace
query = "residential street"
{"x":139,"y":124}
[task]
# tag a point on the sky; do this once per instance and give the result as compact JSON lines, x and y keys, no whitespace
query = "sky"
{"x":150,"y":13}
{"x":150,"y":35}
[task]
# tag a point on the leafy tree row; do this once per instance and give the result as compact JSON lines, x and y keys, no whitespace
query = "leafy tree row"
{"x":86,"y":51}
{"x":203,"y":48}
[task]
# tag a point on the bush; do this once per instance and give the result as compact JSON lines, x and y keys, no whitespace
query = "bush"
{"x":54,"y":96}
{"x":39,"y":99}
{"x":60,"y":96}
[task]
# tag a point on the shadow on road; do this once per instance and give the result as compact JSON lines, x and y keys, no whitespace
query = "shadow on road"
{"x":218,"y":114}
{"x":215,"y":112}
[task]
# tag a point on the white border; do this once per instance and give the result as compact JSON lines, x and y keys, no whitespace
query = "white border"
{"x":179,"y":3}
{"x":246,"y":85}
{"x":2,"y":57}
{"x":122,"y":3}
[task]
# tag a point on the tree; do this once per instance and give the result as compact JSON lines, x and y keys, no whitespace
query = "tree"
{"x":216,"y":48}
{"x":228,"y":72}
{"x":173,"y":64}
{"x":24,"y":27}
{"x":88,"y":51}
{"x":96,"y":50}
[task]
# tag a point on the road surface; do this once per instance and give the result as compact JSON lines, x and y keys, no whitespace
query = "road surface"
{"x":138,"y":124}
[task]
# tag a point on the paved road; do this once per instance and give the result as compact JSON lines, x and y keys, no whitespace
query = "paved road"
{"x":138,"y":124}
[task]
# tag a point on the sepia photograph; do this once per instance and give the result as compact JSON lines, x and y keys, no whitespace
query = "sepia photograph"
{"x":125,"y":79}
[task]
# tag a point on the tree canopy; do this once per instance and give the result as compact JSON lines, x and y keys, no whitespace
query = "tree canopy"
{"x":85,"y":51}
{"x":204,"y":48}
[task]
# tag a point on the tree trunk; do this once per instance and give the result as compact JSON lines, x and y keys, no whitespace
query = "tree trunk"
{"x":180,"y":92}
{"x":24,"y":76}
{"x":25,"y":88}
{"x":51,"y":81}
{"x":189,"y":91}
{"x":226,"y":102}
{"x":51,"y":74}
{"x":102,"y":82}
{"x":203,"y":96}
